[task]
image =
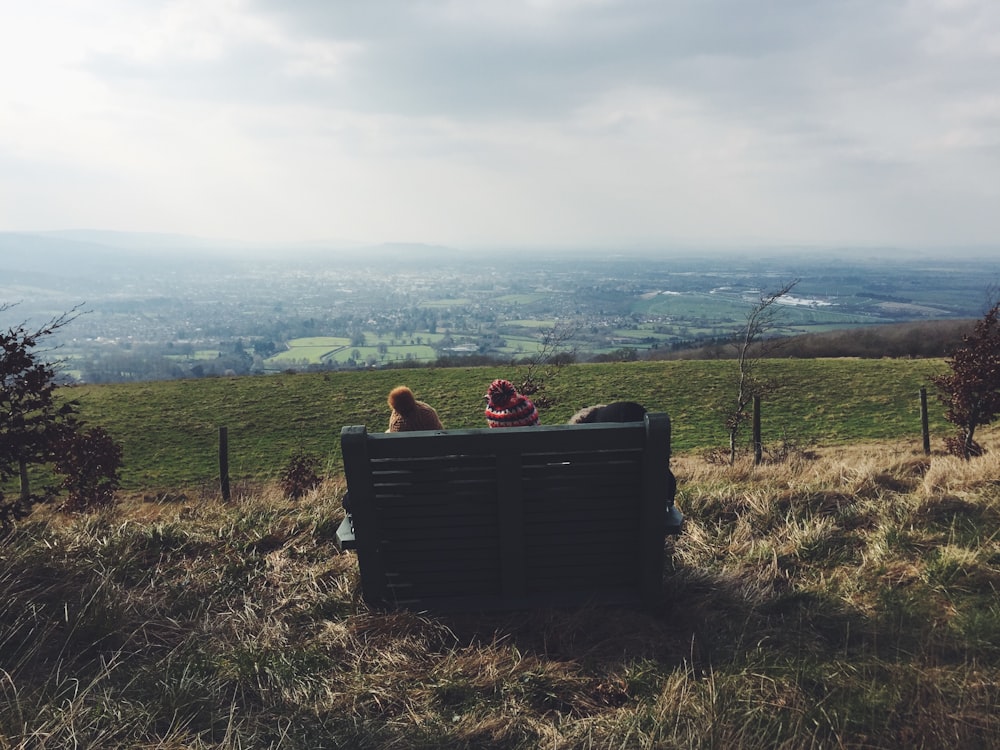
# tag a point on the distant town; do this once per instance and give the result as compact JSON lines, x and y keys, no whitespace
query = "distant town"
{"x":144,"y":314}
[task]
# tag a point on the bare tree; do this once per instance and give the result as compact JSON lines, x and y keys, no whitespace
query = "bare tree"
{"x":752,"y":345}
{"x":542,"y":366}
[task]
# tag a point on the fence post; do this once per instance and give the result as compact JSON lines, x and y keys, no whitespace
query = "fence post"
{"x":758,"y":446}
{"x":224,"y":461}
{"x":923,"y":421}
{"x":22,"y":470}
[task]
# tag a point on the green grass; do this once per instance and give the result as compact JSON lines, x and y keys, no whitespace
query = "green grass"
{"x":169,"y":429}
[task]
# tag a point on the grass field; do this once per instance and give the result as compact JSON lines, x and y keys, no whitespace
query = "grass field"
{"x":169,"y":429}
{"x":842,"y":599}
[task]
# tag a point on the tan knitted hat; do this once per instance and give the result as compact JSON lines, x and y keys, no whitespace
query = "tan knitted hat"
{"x":408,"y":414}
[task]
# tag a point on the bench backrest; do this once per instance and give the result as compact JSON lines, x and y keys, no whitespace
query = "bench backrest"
{"x":510,"y":518}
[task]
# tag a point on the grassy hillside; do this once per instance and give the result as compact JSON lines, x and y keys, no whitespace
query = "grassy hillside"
{"x":843,"y":600}
{"x":170,"y":429}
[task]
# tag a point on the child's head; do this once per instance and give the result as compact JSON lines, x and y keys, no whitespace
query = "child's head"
{"x":617,"y":411}
{"x":505,"y":407}
{"x":409,"y":414}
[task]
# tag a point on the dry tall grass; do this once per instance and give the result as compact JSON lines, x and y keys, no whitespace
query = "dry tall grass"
{"x":843,"y":600}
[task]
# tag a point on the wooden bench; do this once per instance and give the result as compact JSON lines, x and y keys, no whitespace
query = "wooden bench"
{"x":510,"y":518}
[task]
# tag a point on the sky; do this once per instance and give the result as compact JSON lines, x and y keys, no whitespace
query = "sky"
{"x":560,"y":123}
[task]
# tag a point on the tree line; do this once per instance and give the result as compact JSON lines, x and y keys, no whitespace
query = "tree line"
{"x":920,"y":340}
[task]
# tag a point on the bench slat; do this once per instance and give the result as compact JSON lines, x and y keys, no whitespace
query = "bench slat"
{"x":521,"y":441}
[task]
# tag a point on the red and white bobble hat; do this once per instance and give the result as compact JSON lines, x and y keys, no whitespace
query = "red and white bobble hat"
{"x":505,"y":407}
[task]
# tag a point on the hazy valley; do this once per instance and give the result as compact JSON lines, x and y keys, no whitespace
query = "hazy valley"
{"x":162,"y":307}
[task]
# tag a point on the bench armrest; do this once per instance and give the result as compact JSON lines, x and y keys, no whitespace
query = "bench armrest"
{"x":675,"y":521}
{"x":345,"y":534}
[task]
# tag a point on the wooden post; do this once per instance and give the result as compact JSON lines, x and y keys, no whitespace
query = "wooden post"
{"x":923,"y":421}
{"x":758,"y":446}
{"x":224,"y":461}
{"x":22,"y":469}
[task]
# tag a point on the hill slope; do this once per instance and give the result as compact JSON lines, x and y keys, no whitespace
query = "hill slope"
{"x":844,"y":601}
{"x":170,"y":429}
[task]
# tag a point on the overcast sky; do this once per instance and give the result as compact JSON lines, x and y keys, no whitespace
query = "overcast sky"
{"x":493,"y":122}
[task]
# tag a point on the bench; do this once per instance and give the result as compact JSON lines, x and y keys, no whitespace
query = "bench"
{"x":510,"y":518}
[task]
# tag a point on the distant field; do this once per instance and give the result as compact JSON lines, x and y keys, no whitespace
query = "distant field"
{"x":318,"y":350}
{"x":692,"y":305}
{"x":447,"y":302}
{"x":206,"y":354}
{"x":724,"y":309}
{"x":312,"y":350}
{"x":520,"y":346}
{"x":169,"y":429}
{"x":520,"y":299}
{"x":383,"y":350}
{"x":524,"y":323}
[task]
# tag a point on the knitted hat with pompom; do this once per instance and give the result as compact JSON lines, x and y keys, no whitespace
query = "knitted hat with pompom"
{"x":408,"y":414}
{"x":505,"y":407}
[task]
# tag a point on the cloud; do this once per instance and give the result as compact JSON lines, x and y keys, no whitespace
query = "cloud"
{"x":555,"y":121}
